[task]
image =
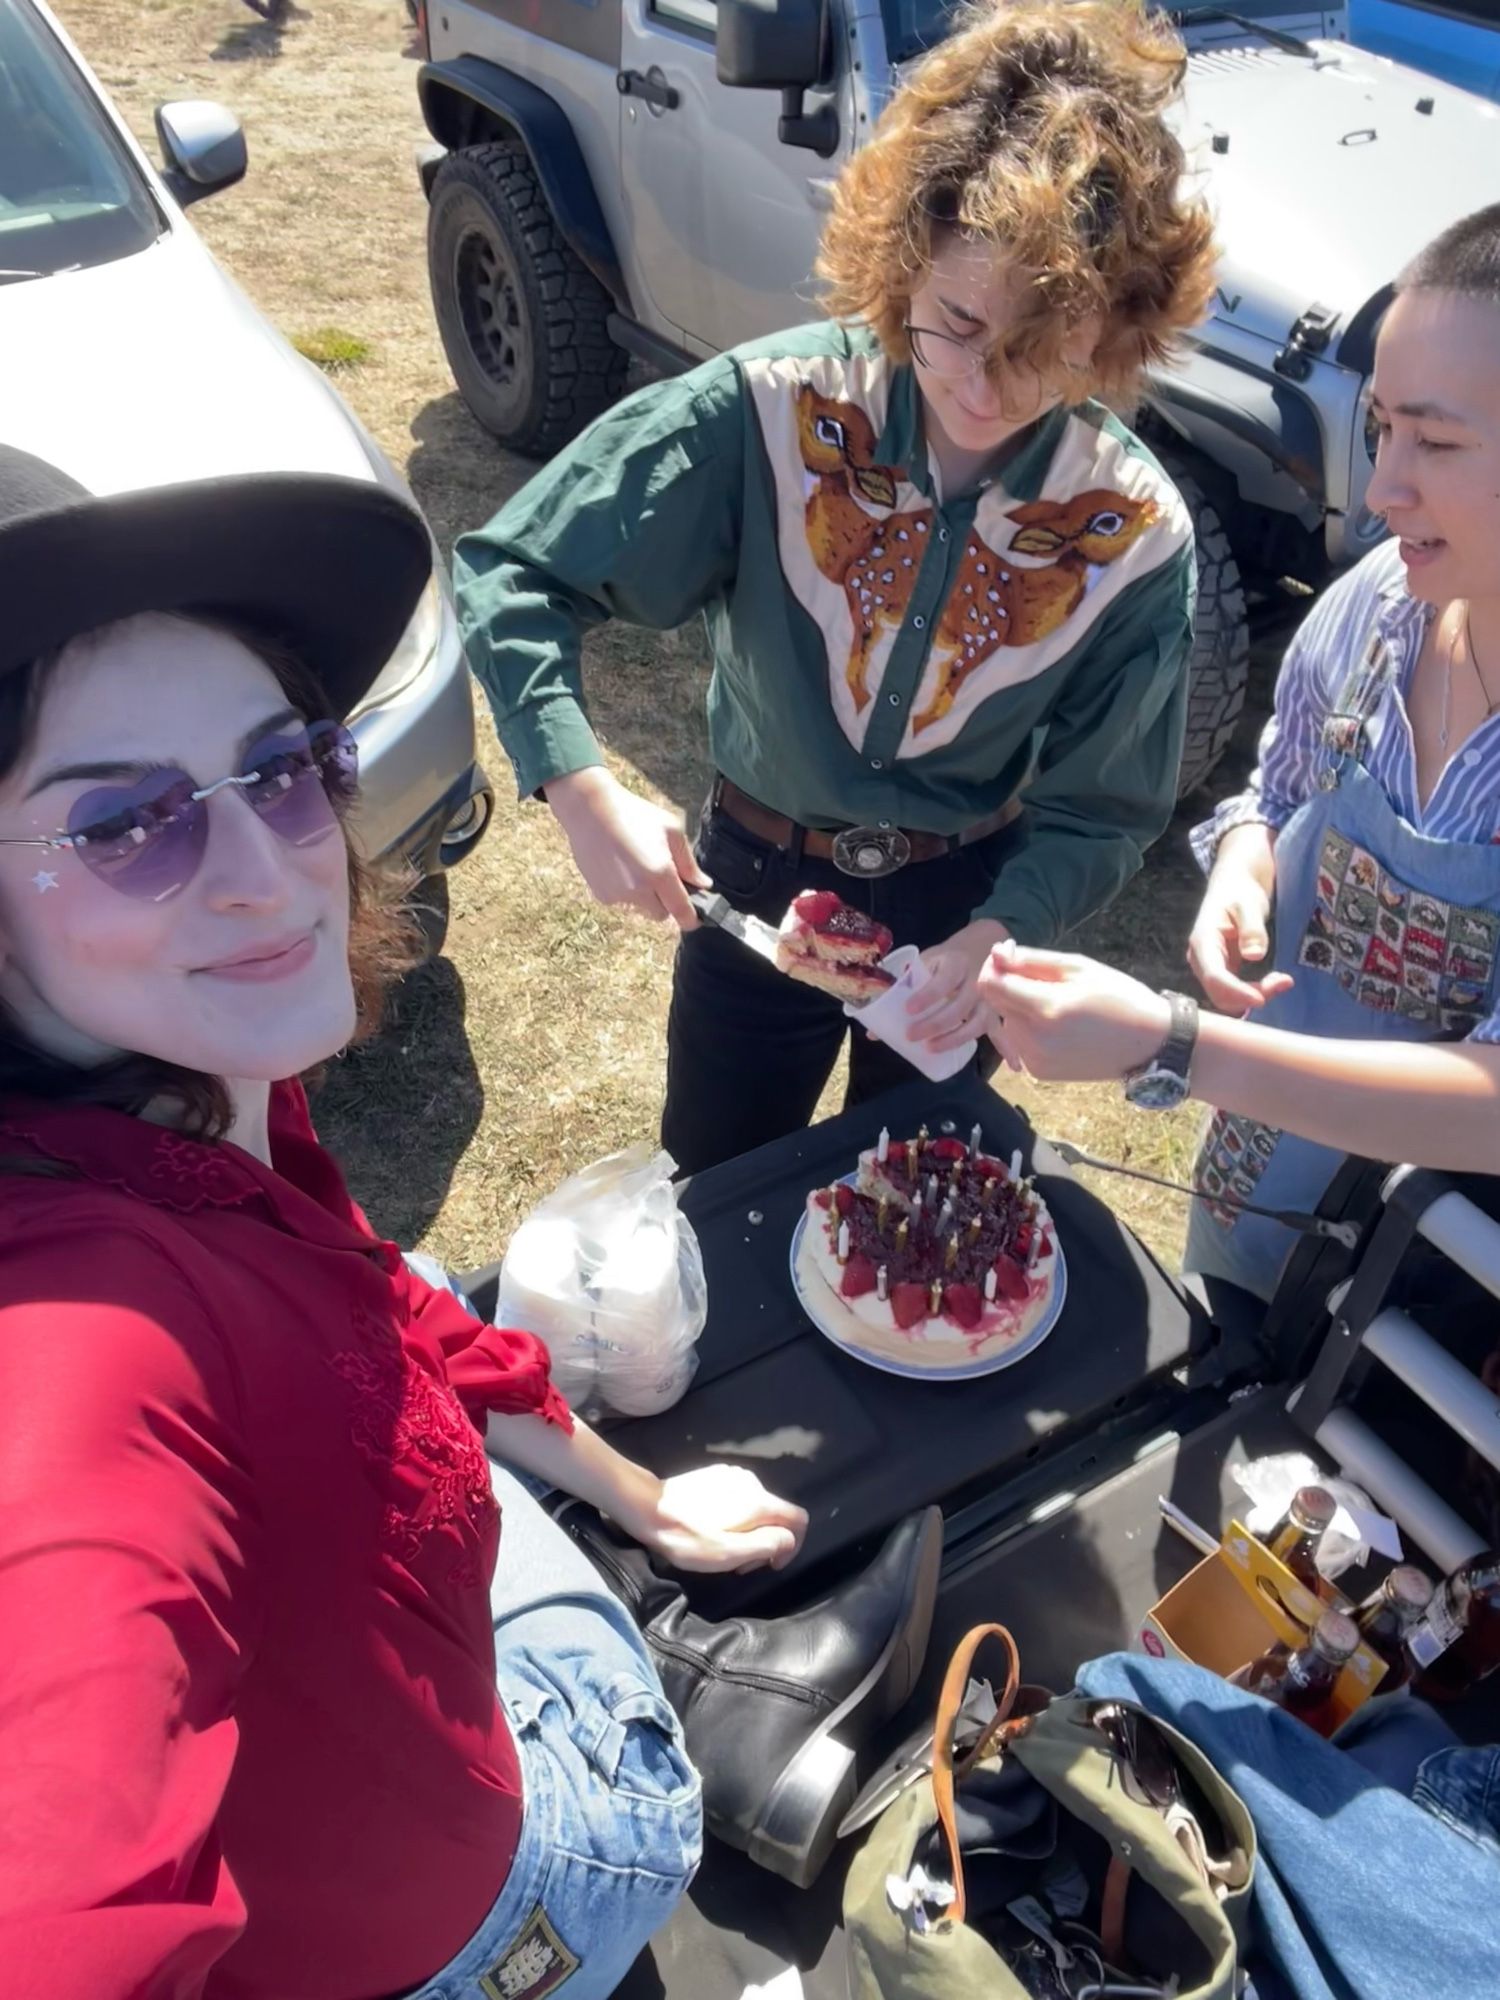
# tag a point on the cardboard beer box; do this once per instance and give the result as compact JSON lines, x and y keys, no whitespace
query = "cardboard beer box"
{"x":1235,"y":1604}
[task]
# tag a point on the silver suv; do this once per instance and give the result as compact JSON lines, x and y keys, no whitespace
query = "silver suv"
{"x":649,"y":178}
{"x":134,"y":361}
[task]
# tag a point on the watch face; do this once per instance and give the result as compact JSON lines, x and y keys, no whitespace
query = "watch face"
{"x":1156,"y":1089}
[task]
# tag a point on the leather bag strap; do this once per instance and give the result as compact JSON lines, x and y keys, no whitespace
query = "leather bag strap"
{"x":944,"y":1771}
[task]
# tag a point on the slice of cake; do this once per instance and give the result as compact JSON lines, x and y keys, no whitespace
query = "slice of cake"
{"x":938,"y":1256}
{"x":826,"y":944}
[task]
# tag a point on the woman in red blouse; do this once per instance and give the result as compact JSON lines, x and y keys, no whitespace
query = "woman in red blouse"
{"x":250,"y":1737}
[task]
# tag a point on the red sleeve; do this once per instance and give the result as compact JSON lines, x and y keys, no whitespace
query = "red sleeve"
{"x":490,"y":1367}
{"x":126,"y":1535}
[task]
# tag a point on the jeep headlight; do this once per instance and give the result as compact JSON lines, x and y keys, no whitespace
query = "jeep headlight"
{"x":414,"y":649}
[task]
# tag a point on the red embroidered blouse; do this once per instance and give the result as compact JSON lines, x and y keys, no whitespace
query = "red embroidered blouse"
{"x":249,"y":1737}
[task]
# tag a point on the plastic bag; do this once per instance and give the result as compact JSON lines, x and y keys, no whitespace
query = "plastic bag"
{"x":609,"y":1274}
{"x":1357,"y":1529}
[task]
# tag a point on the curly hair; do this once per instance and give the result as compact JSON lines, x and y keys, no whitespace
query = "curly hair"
{"x":384,"y":939}
{"x":1038,"y":126}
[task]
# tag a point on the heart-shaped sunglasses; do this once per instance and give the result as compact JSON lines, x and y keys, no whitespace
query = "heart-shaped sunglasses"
{"x":148,"y":839}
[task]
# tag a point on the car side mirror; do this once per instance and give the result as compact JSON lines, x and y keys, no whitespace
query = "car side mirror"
{"x":203,"y":146}
{"x":780,"y":45}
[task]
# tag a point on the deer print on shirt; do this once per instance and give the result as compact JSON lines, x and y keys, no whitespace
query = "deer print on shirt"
{"x":993,"y":602}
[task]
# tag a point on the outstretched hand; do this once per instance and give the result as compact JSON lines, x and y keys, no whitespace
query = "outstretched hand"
{"x":718,"y":1518}
{"x":1068,"y":1019}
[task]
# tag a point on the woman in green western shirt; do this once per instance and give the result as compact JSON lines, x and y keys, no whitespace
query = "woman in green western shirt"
{"x":934,"y":568}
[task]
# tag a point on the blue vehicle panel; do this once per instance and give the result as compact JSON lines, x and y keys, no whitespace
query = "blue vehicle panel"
{"x":1460,"y":43}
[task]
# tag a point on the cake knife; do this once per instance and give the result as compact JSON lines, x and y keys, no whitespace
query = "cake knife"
{"x":751,"y":931}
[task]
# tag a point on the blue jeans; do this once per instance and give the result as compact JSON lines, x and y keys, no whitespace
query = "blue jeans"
{"x":1360,"y":1893}
{"x":612,"y":1830}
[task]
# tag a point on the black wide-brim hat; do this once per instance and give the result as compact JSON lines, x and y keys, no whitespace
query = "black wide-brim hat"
{"x":327,"y":567}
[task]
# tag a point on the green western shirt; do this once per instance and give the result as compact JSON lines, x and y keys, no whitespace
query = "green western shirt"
{"x":882,"y":654}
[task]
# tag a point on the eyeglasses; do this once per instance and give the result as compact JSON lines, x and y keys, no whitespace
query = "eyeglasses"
{"x":949,"y":355}
{"x":1147,"y":1767}
{"x":148,"y":839}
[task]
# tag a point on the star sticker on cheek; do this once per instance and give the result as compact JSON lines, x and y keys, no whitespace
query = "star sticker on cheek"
{"x":44,"y":880}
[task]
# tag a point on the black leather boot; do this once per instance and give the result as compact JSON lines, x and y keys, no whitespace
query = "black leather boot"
{"x":775,"y":1710}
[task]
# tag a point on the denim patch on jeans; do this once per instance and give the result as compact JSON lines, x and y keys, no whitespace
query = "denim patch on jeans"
{"x":612,"y":1827}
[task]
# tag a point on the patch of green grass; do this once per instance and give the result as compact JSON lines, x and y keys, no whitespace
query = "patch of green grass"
{"x":332,"y":347}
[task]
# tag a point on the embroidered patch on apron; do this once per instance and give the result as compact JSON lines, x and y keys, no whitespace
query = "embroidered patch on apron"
{"x":535,"y":1964}
{"x":1234,"y":1154}
{"x":1394,"y":949}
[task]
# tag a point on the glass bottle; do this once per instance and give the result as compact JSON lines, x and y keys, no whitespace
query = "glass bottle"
{"x":1456,"y":1643}
{"x":1388,"y":1614}
{"x":1302,"y":1682}
{"x":1296,"y":1537}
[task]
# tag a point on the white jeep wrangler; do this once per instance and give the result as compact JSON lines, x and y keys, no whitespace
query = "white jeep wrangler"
{"x":649,"y":178}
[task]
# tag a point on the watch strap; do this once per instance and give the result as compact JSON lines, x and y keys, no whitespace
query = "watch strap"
{"x":1176,"y":1052}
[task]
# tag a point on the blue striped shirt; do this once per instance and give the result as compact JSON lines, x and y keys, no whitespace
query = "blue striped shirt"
{"x":1465,"y":802}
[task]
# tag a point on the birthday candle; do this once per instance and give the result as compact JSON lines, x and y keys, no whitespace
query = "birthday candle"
{"x":882,"y":1284}
{"x":990,"y":1284}
{"x":946,"y":1215}
{"x":881,"y":1212}
{"x":1015,"y":1164}
{"x":935,"y":1296}
{"x":974,"y":1228}
{"x":975,"y":1139}
{"x":921,"y":1135}
{"x":932,"y":1187}
{"x":883,"y":1150}
{"x":901,"y":1231}
{"x":950,"y":1253}
{"x":911,"y":1159}
{"x":916,"y":1202}
{"x":987,"y":1192}
{"x":843,"y":1242}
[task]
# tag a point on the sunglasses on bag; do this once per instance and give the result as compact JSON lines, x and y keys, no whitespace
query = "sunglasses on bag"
{"x":148,"y":839}
{"x":1147,"y":1766}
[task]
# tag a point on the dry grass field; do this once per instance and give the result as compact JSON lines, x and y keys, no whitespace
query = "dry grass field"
{"x":535,"y":1043}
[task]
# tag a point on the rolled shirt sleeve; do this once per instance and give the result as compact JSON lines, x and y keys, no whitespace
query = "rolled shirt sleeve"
{"x":639,"y":519}
{"x":489,"y":1368}
{"x":129,"y":1604}
{"x":1105,"y":782}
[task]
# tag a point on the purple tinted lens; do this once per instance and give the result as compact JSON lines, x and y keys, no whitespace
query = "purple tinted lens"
{"x":145,"y":839}
{"x":300,"y":779}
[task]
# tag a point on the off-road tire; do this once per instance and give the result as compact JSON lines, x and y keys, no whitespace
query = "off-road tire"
{"x":1220,"y":667}
{"x":522,"y":320}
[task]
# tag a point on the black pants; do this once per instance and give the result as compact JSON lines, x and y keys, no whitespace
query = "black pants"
{"x":749,"y":1050}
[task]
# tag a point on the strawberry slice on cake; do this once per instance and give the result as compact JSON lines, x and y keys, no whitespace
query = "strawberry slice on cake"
{"x":828,"y":945}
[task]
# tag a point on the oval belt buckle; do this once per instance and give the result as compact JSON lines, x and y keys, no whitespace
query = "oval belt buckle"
{"x":870,"y":851}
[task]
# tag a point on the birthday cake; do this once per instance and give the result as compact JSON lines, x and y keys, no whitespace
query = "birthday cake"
{"x":827,"y":944}
{"x":937,"y":1255}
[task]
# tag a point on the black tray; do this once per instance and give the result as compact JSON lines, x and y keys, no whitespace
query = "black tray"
{"x":859,"y":1448}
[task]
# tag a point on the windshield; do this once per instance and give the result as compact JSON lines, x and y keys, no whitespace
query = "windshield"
{"x":914,"y":25}
{"x":69,"y":192}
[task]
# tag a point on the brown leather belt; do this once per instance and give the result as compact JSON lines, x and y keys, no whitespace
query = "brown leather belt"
{"x":866,"y":851}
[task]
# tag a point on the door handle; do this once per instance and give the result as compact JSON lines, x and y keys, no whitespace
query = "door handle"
{"x":653,"y":88}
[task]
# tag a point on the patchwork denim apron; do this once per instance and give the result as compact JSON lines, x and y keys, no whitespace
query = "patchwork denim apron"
{"x":1390,"y":936}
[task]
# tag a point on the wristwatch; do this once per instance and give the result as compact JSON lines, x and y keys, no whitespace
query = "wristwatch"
{"x":1162,"y":1083}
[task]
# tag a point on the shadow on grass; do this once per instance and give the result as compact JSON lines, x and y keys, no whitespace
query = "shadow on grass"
{"x":399,"y":1112}
{"x":260,"y":40}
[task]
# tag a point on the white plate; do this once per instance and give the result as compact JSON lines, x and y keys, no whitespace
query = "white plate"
{"x":968,"y":1370}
